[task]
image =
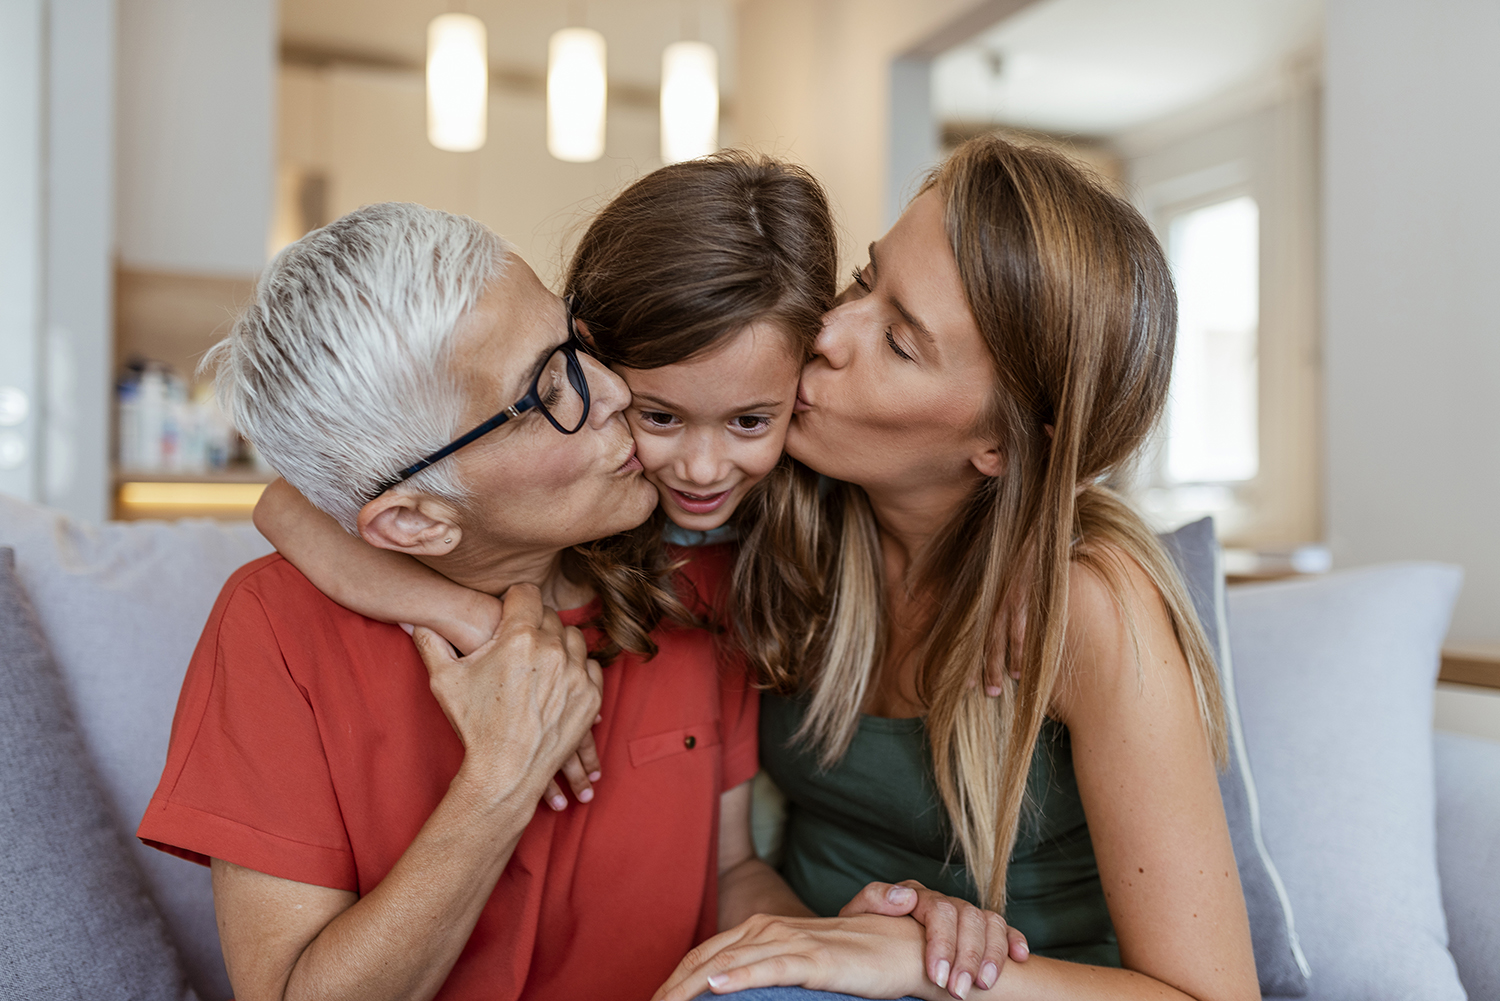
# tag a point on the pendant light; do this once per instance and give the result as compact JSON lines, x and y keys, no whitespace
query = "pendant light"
{"x":458,"y":82}
{"x":576,"y":95}
{"x":689,"y":101}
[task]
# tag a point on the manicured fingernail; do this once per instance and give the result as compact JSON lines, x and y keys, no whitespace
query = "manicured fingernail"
{"x":993,"y":691}
{"x":900,"y":894}
{"x":586,"y":795}
{"x":718,"y":980}
{"x":594,"y":776}
{"x":962,"y":985}
{"x":558,"y":803}
{"x":987,"y":974}
{"x":1016,"y":675}
{"x":942,"y":972}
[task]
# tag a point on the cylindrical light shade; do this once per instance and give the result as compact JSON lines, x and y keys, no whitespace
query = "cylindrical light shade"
{"x":458,"y":82}
{"x":689,"y":101}
{"x":575,"y":95}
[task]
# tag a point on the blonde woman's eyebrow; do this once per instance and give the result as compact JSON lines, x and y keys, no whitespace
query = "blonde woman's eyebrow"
{"x":906,"y":314}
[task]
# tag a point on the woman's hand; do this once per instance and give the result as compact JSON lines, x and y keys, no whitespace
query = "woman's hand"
{"x":868,"y":955}
{"x":966,"y":945}
{"x":468,"y":625}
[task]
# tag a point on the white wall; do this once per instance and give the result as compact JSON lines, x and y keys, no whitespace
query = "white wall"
{"x":1412,"y":270}
{"x":196,"y":126}
{"x":366,"y":131}
{"x":22,"y":27}
{"x":815,"y":85}
{"x":79,"y":257}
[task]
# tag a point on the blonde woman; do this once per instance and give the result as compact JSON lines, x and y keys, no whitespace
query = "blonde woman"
{"x":1007,"y":347}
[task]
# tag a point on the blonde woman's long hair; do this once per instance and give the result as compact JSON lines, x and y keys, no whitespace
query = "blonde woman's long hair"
{"x":1074,"y":300}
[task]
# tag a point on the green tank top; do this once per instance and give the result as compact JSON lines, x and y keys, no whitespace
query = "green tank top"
{"x":876,"y":815}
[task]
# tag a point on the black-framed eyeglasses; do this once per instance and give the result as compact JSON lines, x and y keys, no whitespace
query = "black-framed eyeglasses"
{"x":560,"y":391}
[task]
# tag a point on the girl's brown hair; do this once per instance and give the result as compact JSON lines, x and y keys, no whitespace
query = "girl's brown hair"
{"x":1074,"y":301}
{"x":683,"y":259}
{"x":695,"y":252}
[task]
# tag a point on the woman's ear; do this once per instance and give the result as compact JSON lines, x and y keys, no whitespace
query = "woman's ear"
{"x":409,"y":523}
{"x":990,"y":462}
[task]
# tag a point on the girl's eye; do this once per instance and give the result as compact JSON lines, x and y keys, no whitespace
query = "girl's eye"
{"x":656,"y":418}
{"x":859,"y":279}
{"x":751,"y":423}
{"x":890,"y":338}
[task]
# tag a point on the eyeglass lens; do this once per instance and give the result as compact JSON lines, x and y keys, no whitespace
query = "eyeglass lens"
{"x":560,"y":389}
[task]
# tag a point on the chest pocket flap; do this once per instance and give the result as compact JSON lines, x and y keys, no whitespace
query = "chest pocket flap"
{"x":687,"y":740}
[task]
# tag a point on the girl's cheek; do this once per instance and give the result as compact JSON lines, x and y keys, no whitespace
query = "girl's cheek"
{"x":760,"y":457}
{"x":655,"y":454}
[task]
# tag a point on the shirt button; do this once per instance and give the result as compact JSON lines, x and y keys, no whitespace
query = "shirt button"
{"x":690,"y":742}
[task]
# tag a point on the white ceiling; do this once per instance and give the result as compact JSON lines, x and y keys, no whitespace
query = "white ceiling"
{"x":1101,"y":67}
{"x":635,"y":31}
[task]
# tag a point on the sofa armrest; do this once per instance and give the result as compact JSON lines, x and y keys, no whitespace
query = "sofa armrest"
{"x":1468,"y":850}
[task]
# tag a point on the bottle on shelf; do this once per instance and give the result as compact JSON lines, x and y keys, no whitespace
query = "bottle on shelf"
{"x":165,"y":428}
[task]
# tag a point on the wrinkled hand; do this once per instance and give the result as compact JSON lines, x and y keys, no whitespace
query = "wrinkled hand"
{"x":965,"y":944}
{"x":868,"y":955}
{"x":521,"y":703}
{"x":471,"y":625}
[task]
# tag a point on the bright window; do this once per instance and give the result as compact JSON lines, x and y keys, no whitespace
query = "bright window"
{"x":1213,"y":414}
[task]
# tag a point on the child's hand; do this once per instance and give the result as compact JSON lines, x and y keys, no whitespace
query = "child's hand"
{"x":581,"y":771}
{"x":966,"y":946}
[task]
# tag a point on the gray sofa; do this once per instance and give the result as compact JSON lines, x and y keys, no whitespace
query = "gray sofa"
{"x":1385,"y":837}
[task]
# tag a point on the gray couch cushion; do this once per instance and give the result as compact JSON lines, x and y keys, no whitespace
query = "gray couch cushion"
{"x":122,"y":606}
{"x":1279,"y":962}
{"x":1468,"y":851}
{"x":1335,"y":678}
{"x":77,"y":921}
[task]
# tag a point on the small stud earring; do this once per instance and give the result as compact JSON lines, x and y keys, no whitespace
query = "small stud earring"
{"x":447,"y":542}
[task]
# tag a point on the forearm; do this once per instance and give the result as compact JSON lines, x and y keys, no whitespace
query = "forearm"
{"x":1039,"y":979}
{"x":402,"y":939}
{"x":1042,"y":979}
{"x":753,"y":887}
{"x":377,"y":583}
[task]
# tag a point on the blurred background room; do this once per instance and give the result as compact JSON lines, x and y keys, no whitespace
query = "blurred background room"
{"x":1319,"y":172}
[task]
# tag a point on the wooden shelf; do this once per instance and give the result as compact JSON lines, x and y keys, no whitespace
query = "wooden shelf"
{"x":1477,"y":665}
{"x":239,"y":475}
{"x":226,"y":495}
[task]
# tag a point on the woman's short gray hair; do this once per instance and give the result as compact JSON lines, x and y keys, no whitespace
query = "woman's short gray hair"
{"x":338,"y":370}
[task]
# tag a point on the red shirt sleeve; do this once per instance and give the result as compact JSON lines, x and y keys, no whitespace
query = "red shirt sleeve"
{"x":247,"y":779}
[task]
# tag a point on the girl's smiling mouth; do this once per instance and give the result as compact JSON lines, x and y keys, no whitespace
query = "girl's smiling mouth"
{"x":699,"y":503}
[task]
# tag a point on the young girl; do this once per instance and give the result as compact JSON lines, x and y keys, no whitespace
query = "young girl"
{"x":704,"y":285}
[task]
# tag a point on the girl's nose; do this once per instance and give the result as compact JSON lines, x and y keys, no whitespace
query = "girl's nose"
{"x":702,"y":461}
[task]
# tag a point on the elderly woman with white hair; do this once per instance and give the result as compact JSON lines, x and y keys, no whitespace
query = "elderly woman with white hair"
{"x":370,"y":818}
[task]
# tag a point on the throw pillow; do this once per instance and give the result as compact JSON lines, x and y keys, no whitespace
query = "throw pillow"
{"x":1468,"y":852}
{"x":122,"y":606}
{"x":1279,"y":962}
{"x":1335,"y":678}
{"x":77,"y":920}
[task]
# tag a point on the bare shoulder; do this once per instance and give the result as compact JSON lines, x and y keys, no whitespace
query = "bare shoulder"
{"x":1119,"y":634}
